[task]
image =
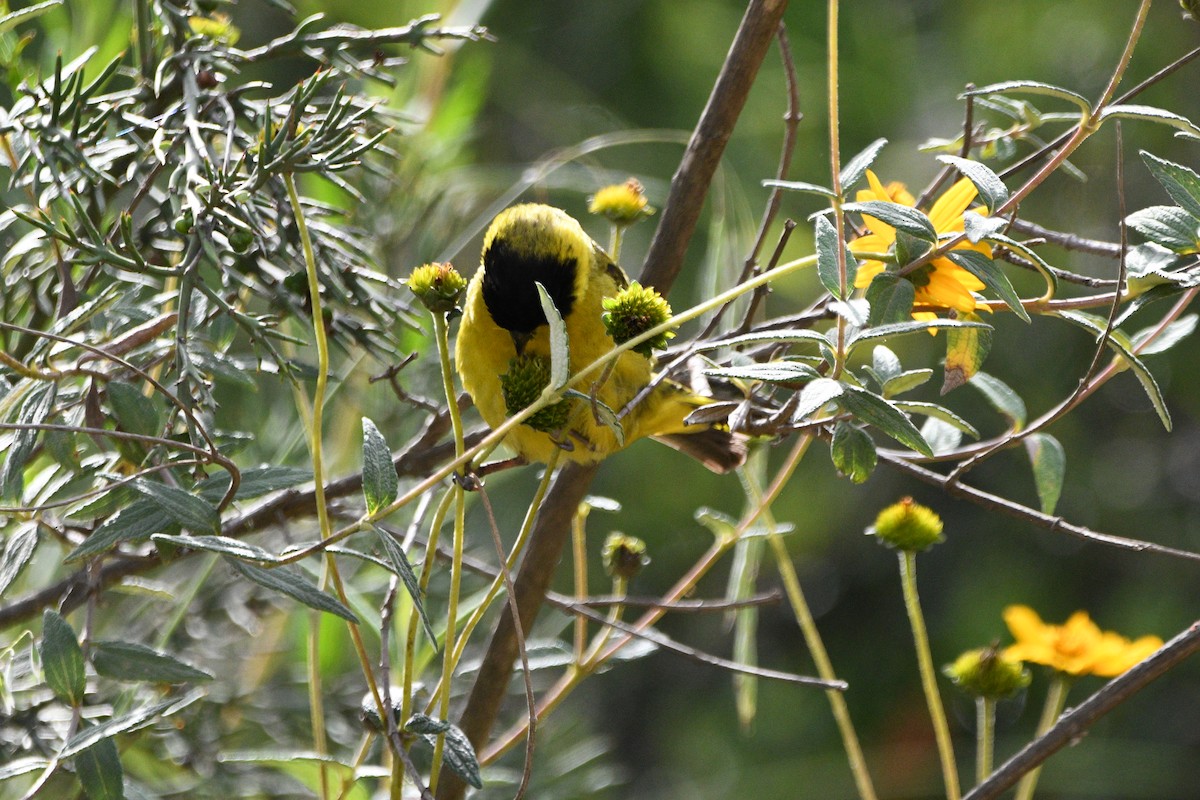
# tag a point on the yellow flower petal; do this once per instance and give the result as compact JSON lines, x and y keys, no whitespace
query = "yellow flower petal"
{"x":948,"y":209}
{"x":867,"y":271}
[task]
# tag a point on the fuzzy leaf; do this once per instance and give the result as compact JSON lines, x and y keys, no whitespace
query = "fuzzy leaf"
{"x":992,"y":276}
{"x":903,"y":218}
{"x":827,"y":260}
{"x":12,"y":20}
{"x":1134,"y":111}
{"x":192,"y":512}
{"x":128,"y":661}
{"x":560,"y":358}
{"x":1170,"y":226}
{"x":978,"y":227}
{"x":62,"y":659}
{"x":219,"y":544}
{"x":940,"y":413}
{"x":99,"y":770}
{"x":769,"y":372}
{"x":966,"y":349}
{"x":854,"y":169}
{"x":885,"y":363}
{"x":380,"y":484}
{"x":138,"y":718}
{"x":135,"y":412}
{"x":765,"y":337}
{"x":873,"y":409}
{"x":1049,"y":462}
{"x":906,"y":381}
{"x":136,"y":522}
{"x":801,"y":186}
{"x":853,"y":452}
{"x":1032,"y":87}
{"x":1002,"y":398}
{"x":1175,"y":332}
{"x":992,"y":190}
{"x":911,"y":326}
{"x":814,"y":396}
{"x":284,"y":581}
{"x":403,"y":568}
{"x":17,"y":552}
{"x":36,"y":406}
{"x":1181,"y":183}
{"x":891,"y":298}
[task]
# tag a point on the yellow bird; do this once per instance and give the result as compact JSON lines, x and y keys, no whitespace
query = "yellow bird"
{"x":504,"y":329}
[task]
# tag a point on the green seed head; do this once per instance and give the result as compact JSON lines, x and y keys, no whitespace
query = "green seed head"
{"x":438,"y":286}
{"x":624,"y":556}
{"x":633,"y":311}
{"x":908,"y":526}
{"x":987,"y":673}
{"x":622,"y":204}
{"x":527,"y":376}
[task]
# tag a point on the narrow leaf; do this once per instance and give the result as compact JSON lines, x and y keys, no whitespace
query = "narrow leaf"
{"x":458,"y":753}
{"x":1120,"y":344}
{"x":192,"y":512}
{"x":903,"y":218}
{"x":873,"y":409}
{"x":1174,"y":332}
{"x":1049,"y":461}
{"x":135,"y":522}
{"x":992,"y":276}
{"x":99,"y":770}
{"x":765,"y":337}
{"x":1181,"y":183}
{"x":906,"y":382}
{"x":769,"y":372}
{"x":1001,"y":397}
{"x":854,"y":169}
{"x":254,"y":482}
{"x":853,"y":452}
{"x":10,"y":21}
{"x":220,"y":544}
{"x":992,"y":190}
{"x":891,"y":298}
{"x":894,"y":329}
{"x":380,"y":484}
{"x":135,"y":412}
{"x":134,"y":720}
{"x":403,"y":568}
{"x":294,"y":586}
{"x":36,"y":406}
{"x":1134,"y":111}
{"x":62,"y":659}
{"x":17,"y":552}
{"x":560,"y":360}
{"x":940,"y":413}
{"x":885,"y":363}
{"x":966,"y":349}
{"x":801,"y":186}
{"x":1032,"y":87}
{"x":128,"y":661}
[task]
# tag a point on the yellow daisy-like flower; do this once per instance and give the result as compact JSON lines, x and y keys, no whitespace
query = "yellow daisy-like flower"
{"x":1077,"y":647}
{"x":941,"y":282}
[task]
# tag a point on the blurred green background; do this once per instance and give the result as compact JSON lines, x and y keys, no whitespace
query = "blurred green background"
{"x":562,"y":73}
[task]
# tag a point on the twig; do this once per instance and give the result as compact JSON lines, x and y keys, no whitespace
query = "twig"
{"x":689,"y":186}
{"x":1073,"y":724}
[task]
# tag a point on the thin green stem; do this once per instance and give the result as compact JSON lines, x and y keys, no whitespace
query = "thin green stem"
{"x":985,"y":737}
{"x":442,"y":337}
{"x":579,"y":558}
{"x":835,"y":168}
{"x":323,"y":520}
{"x":414,"y":619}
{"x":937,"y":713}
{"x":1056,"y":700}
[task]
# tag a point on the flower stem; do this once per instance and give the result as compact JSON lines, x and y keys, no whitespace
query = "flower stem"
{"x":937,"y":713}
{"x":1056,"y":699}
{"x":985,"y":736}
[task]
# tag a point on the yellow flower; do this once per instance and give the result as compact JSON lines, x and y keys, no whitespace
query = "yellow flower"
{"x":941,"y":282}
{"x":1077,"y":647}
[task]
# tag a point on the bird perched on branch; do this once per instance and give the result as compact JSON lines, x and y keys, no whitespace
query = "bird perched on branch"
{"x":503,"y":350}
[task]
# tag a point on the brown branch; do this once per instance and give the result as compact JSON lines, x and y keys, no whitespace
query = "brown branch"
{"x":689,"y":186}
{"x":1075,"y":723}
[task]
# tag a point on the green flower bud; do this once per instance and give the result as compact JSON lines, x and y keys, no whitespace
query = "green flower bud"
{"x":633,"y":311}
{"x":622,"y":204}
{"x":438,"y":286}
{"x":240,"y":239}
{"x":908,"y":526}
{"x":185,"y":222}
{"x":987,"y":673}
{"x":624,"y":556}
{"x":527,"y":376}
